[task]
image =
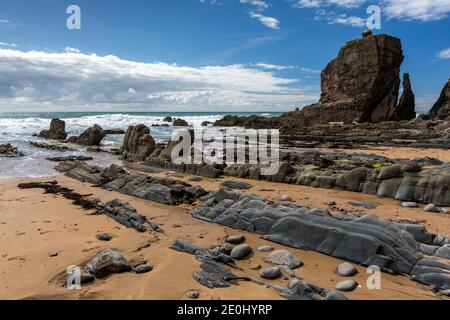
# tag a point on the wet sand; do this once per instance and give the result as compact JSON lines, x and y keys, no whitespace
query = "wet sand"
{"x":33,"y":224}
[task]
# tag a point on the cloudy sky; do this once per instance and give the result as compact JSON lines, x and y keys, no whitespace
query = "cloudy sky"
{"x":201,"y":55}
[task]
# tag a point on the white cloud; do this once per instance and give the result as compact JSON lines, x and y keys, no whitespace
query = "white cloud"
{"x":334,"y":18}
{"x":273,"y":66}
{"x":444,"y":54}
{"x":309,"y":70}
{"x":77,"y":81}
{"x":267,"y":21}
{"x":326,"y":3}
{"x":257,"y":3}
{"x":424,"y":10}
{"x":4,"y":21}
{"x":7,"y":44}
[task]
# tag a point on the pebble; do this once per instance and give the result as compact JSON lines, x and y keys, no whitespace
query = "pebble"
{"x":265,"y":248}
{"x":143,"y":268}
{"x":286,"y":198}
{"x":409,"y":205}
{"x":256,"y":267}
{"x":104,"y":237}
{"x":363,"y":204}
{"x":241,"y":251}
{"x":236,"y":239}
{"x":346,"y":270}
{"x":331,"y":203}
{"x":193,"y":294}
{"x":446,"y":211}
{"x":347,"y":285}
{"x":432,"y":208}
{"x":53,"y":254}
{"x":271,"y":273}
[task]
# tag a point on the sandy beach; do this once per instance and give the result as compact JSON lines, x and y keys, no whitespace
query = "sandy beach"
{"x":33,"y":224}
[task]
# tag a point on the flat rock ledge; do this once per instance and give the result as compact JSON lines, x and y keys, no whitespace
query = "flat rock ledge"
{"x":115,"y":178}
{"x":368,"y":241}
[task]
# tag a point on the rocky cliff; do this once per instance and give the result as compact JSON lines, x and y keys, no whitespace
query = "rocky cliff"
{"x":441,"y":110}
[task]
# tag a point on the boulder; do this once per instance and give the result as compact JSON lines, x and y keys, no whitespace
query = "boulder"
{"x":106,"y":263}
{"x":284,"y":258}
{"x":237,"y":185}
{"x":143,"y":268}
{"x":346,"y":285}
{"x":7,"y":150}
{"x":93,"y":136}
{"x":441,"y":109}
{"x":241,"y":251}
{"x":236,"y":239}
{"x":57,"y":130}
{"x":138,"y":144}
{"x":180,"y":123}
{"x":271,"y":273}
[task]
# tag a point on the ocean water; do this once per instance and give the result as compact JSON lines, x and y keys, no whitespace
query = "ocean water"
{"x":18,"y":129}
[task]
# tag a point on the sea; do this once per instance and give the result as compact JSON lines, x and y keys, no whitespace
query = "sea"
{"x":17,"y":128}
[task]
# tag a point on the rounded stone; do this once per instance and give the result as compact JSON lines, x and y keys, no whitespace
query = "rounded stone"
{"x":284,"y":258}
{"x":235,"y":239}
{"x":241,"y":251}
{"x":446,"y":211}
{"x":409,"y":205}
{"x":193,"y":294}
{"x":347,"y":285}
{"x":431,"y":208}
{"x":271,"y":273}
{"x":265,"y":249}
{"x":331,"y":203}
{"x":335,"y":295}
{"x":346,"y":270}
{"x":286,"y":198}
{"x":53,"y":254}
{"x":256,"y":267}
{"x":143,"y":268}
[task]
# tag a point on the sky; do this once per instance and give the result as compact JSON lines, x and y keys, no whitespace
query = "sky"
{"x":201,"y":55}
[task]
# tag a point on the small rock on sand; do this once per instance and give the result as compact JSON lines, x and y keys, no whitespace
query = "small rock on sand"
{"x":363,"y":204}
{"x":236,"y":185}
{"x":331,"y":203}
{"x":104,"y":237}
{"x":286,"y":198}
{"x":256,"y":267}
{"x":346,"y":270}
{"x":193,"y":294}
{"x":143,"y":268}
{"x":265,"y":248}
{"x":347,"y":285}
{"x":431,"y":208}
{"x":409,"y":205}
{"x":241,"y":251}
{"x":236,"y":239}
{"x":53,"y":254}
{"x":271,"y":273}
{"x":226,"y":248}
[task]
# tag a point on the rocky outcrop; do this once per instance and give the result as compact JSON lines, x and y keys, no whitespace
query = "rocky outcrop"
{"x":441,"y":109}
{"x":114,"y":178}
{"x":180,"y":123}
{"x":93,"y":136}
{"x":360,"y":85}
{"x":7,"y":150}
{"x":57,"y":130}
{"x":138,"y":144}
{"x":395,"y":248}
{"x":406,"y":109}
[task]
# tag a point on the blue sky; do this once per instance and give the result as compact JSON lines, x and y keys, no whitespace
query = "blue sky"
{"x":193,"y":55}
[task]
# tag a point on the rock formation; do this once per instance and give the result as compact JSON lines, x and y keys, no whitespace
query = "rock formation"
{"x":7,"y":150}
{"x":57,"y":130}
{"x":138,"y":144}
{"x":114,"y":178}
{"x":180,"y":123}
{"x":93,"y":136}
{"x":360,"y":85}
{"x":406,"y":109}
{"x":395,"y":248}
{"x":441,"y":110}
